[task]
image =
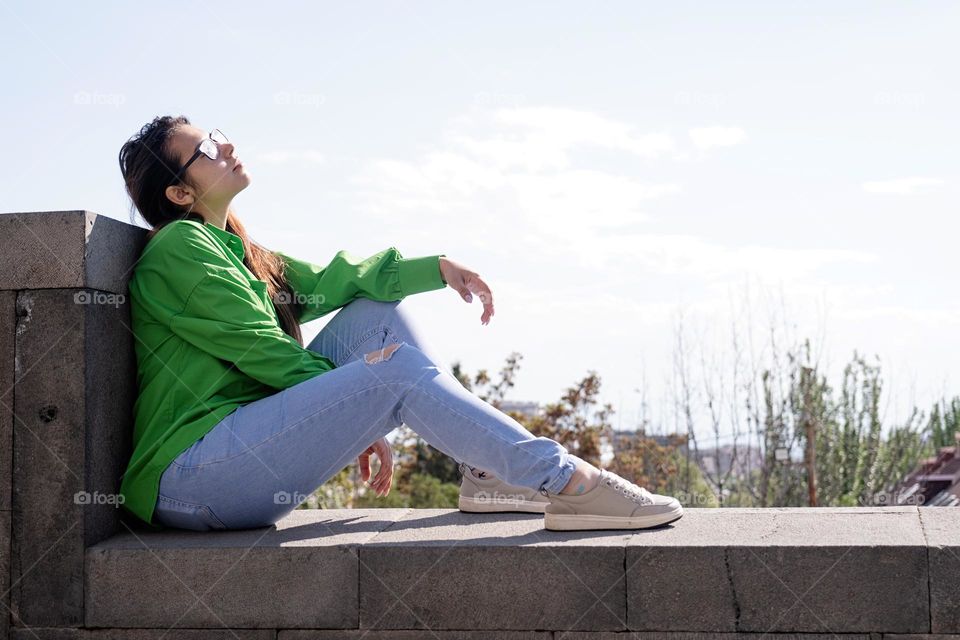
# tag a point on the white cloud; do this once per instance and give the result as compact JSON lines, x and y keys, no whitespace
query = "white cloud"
{"x":902,"y":186}
{"x":708,"y":137}
{"x":508,"y":181}
{"x":516,"y":170}
{"x":542,"y":138}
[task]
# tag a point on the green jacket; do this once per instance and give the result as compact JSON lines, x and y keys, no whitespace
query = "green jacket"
{"x":207,"y":337}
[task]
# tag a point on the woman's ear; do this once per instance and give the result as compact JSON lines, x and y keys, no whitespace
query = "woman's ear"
{"x":177,"y":194}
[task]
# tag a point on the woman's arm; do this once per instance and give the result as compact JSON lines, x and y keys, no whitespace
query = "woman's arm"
{"x":385,"y":275}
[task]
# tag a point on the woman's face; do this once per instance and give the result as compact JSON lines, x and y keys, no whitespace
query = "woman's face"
{"x":208,"y":182}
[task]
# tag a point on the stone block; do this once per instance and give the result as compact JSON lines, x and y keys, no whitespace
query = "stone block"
{"x":301,"y":573}
{"x":48,"y":459}
{"x":67,"y":250}
{"x":441,"y":569}
{"x":781,"y":570}
{"x":941,"y":526}
{"x":8,"y":326}
{"x":5,"y":518}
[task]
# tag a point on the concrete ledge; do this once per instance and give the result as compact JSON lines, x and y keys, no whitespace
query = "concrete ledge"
{"x":67,"y":250}
{"x":386,"y":573}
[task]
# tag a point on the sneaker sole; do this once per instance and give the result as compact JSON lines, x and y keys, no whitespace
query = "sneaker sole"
{"x":472,"y":505}
{"x":572,"y":522}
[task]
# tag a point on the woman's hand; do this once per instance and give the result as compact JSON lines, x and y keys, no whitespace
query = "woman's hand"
{"x":465,"y":281}
{"x":381,"y":483}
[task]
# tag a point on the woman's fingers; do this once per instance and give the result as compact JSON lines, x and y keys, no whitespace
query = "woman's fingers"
{"x":467,"y":282}
{"x":384,"y":478}
{"x":478,"y":286}
{"x":385,"y":474}
{"x":364,"y":463}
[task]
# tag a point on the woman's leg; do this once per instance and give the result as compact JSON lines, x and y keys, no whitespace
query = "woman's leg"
{"x":363,"y":317}
{"x":276,"y":451}
{"x":341,"y":338}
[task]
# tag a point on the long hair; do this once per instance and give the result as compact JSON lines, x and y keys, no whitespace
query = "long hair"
{"x":149,"y":165}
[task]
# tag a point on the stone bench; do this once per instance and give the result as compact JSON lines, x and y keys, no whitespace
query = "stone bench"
{"x":790,"y":570}
{"x":75,"y":570}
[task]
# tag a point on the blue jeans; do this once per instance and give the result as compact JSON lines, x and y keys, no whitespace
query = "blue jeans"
{"x":266,"y":457}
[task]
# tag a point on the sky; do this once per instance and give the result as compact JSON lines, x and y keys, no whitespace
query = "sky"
{"x":614,"y":171}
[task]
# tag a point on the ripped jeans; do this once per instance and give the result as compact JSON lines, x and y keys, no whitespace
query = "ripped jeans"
{"x":266,"y":457}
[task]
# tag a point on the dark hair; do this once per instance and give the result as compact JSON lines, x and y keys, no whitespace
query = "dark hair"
{"x":148,"y":165}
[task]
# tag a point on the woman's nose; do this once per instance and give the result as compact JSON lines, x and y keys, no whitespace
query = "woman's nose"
{"x":226,"y":149}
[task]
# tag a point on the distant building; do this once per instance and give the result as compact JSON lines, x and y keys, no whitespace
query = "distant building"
{"x":662,"y":440}
{"x":608,"y":450}
{"x":720,"y":460}
{"x":525,"y":408}
{"x":935,"y":483}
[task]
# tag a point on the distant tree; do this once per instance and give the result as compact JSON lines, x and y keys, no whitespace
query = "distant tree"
{"x":575,"y":421}
{"x":944,"y":423}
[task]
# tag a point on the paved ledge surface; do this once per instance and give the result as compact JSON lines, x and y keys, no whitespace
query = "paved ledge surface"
{"x":892,"y":570}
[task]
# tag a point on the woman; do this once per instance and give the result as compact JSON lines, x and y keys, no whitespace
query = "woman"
{"x":236,"y":423}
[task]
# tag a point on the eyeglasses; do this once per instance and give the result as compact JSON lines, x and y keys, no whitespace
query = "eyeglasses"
{"x":209,"y":146}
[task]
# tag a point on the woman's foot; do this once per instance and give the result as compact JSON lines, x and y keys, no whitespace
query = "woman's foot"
{"x":611,"y":503}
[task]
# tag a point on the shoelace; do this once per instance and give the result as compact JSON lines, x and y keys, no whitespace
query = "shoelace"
{"x":628,"y":489}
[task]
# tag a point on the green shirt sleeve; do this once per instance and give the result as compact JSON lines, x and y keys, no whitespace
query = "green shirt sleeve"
{"x":227,"y":317}
{"x":384,"y":276}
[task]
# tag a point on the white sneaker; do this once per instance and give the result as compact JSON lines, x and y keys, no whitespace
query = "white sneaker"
{"x":489,"y":494}
{"x":615,"y":503}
